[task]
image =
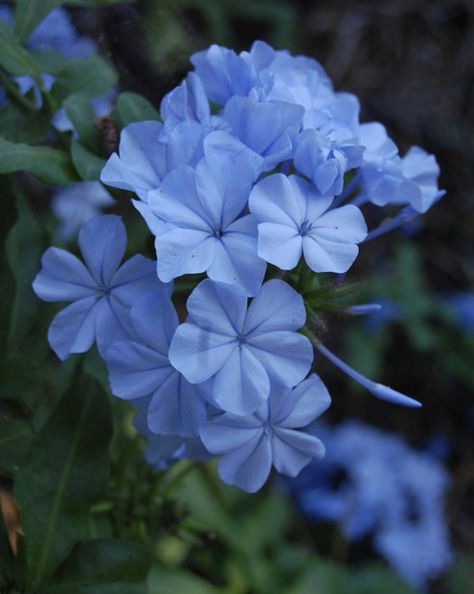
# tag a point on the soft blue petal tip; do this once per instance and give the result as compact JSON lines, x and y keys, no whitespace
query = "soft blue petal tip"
{"x":390,"y":395}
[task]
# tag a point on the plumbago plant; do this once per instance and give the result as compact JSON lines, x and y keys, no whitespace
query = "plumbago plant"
{"x":254,"y":181}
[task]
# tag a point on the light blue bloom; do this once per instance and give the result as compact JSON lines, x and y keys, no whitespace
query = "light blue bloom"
{"x":140,"y":368}
{"x":372,"y":482}
{"x":420,"y":171}
{"x":76,"y":204}
{"x":161,"y":450}
{"x":294,"y":219}
{"x":243,"y":350}
{"x":203,"y":232}
{"x":101,"y":290}
{"x":273,"y":435}
{"x":144,"y":160}
{"x":56,"y":32}
{"x":267,"y":128}
{"x":224,"y":74}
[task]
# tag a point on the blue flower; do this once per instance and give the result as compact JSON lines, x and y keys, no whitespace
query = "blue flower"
{"x":224,"y":74}
{"x":266,"y":128}
{"x":203,"y":232}
{"x":101,"y":290}
{"x":372,"y":482}
{"x":243,"y":350}
{"x":140,"y":368}
{"x":76,"y":204}
{"x":144,"y":158}
{"x":186,"y":102}
{"x":161,"y":450}
{"x":273,"y":434}
{"x":294,"y":218}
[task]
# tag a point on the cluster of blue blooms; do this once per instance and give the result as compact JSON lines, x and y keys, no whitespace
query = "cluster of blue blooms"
{"x":371,"y":482}
{"x":251,"y":165}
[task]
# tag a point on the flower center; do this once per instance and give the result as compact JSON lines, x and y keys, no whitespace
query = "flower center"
{"x":241,"y":339}
{"x":304,"y":228}
{"x":102,"y":291}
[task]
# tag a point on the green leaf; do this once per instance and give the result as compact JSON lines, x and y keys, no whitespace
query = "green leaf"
{"x":86,"y":163}
{"x":15,"y":439}
{"x":167,"y":581}
{"x":51,"y":166}
{"x":30,"y":13}
{"x":64,"y":474}
{"x":134,"y":108}
{"x":103,"y":567}
{"x":23,"y":248}
{"x":97,"y":2}
{"x":89,"y":77}
{"x":14,"y":58}
{"x":20,"y":125}
{"x":79,"y":111}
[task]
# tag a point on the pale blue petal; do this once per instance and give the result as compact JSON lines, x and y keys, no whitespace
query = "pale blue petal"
{"x":236,"y":260}
{"x":279,"y":199}
{"x":300,"y":406}
{"x":222,"y":144}
{"x":184,"y":251}
{"x":102,"y":241}
{"x":176,"y":408}
{"x":242,"y":384}
{"x":280,"y":245}
{"x":345,"y":224}
{"x":227,"y":433}
{"x":135,"y":278}
{"x":218,"y":307}
{"x":142,"y":161}
{"x":135,"y":370}
{"x":63,"y":277}
{"x":153,"y":221}
{"x":177,"y":201}
{"x":155,"y":321}
{"x":249,"y":466}
{"x":184,"y":145}
{"x":286,"y":356}
{"x":277,"y":307}
{"x":199,"y":354}
{"x":161,"y":448}
{"x":328,"y":256}
{"x":113,"y":324}
{"x":73,"y":329}
{"x":187,"y":101}
{"x":293,"y":450}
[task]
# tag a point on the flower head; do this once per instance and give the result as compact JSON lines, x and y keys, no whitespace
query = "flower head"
{"x":242,"y":349}
{"x":101,"y":290}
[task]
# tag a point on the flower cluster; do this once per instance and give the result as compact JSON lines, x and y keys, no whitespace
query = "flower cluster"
{"x":373,"y":482}
{"x":257,"y":162}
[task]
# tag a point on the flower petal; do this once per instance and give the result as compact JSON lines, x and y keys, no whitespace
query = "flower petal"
{"x":280,"y":245}
{"x":276,"y":307}
{"x":135,"y":370}
{"x":184,"y":251}
{"x":102,"y":241}
{"x":218,"y":307}
{"x":302,"y":405}
{"x":155,"y":321}
{"x":176,"y":408}
{"x":293,"y":450}
{"x":328,"y":256}
{"x":248,"y":467}
{"x":73,"y":329}
{"x":286,"y":356}
{"x":242,"y":384}
{"x":63,"y":277}
{"x":197,"y":353}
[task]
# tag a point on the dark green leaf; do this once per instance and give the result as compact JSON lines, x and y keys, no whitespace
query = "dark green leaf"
{"x":168,"y":581}
{"x":20,"y":125}
{"x":15,"y":438}
{"x":86,"y":163}
{"x":90,"y":77}
{"x":64,"y":473}
{"x":14,"y":58}
{"x":23,"y":248}
{"x":103,"y":567}
{"x":79,"y":111}
{"x":134,"y":108}
{"x":49,"y":165}
{"x":97,"y":2}
{"x":50,"y":61}
{"x":30,"y":13}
